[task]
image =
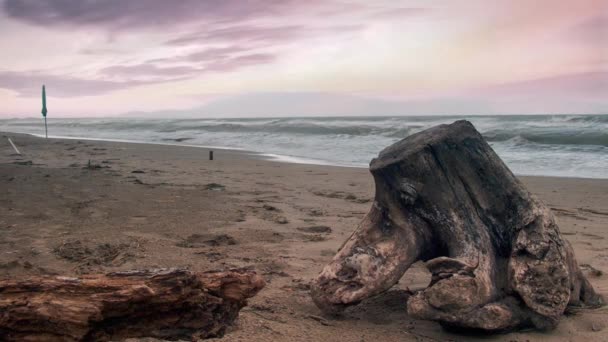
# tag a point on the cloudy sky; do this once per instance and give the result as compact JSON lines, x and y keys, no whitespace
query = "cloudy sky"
{"x":294,"y":57}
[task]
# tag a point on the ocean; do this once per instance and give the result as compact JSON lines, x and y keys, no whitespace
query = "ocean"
{"x":544,"y":145}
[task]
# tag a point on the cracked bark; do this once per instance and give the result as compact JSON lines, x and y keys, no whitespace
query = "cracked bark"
{"x":497,"y":258}
{"x":165,"y":303}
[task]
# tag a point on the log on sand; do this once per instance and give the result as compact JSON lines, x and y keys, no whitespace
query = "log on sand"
{"x":497,"y":258}
{"x":162,"y":303}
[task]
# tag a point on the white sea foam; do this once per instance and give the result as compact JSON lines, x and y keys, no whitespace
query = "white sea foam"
{"x":548,"y":145}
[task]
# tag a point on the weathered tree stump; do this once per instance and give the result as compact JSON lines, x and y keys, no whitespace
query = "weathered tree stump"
{"x":164,"y":303}
{"x":497,"y":258}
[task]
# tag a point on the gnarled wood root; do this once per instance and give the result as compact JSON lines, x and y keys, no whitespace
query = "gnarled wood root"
{"x":497,"y":258}
{"x":164,"y":303}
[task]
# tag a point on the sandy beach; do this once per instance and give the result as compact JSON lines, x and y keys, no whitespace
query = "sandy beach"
{"x":70,"y":207}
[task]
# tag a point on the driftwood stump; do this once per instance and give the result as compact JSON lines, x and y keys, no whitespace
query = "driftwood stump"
{"x":497,"y":258}
{"x":166,"y":303}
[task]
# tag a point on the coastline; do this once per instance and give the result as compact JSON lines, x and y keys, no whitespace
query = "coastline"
{"x":140,"y":205}
{"x":260,"y":155}
{"x":254,"y":154}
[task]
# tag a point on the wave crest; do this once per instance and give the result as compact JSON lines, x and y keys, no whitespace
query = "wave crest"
{"x":553,"y":138}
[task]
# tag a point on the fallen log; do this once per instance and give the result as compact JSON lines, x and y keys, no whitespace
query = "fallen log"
{"x":162,"y":303}
{"x":497,"y":258}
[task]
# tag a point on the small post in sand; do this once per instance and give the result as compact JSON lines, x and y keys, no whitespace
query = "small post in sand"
{"x":44,"y":111}
{"x":15,"y":147}
{"x":210,"y":155}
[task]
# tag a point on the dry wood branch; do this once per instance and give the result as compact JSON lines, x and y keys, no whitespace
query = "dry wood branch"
{"x":163,"y":303}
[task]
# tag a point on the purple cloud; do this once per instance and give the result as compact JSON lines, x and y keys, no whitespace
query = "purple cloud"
{"x":214,"y":54}
{"x":127,"y":76}
{"x":149,"y":71}
{"x":120,"y":14}
{"x":116,"y":77}
{"x":260,"y":35}
{"x":248,"y":33}
{"x":212,"y":60}
{"x":196,"y":21}
{"x":29,"y":83}
{"x":241,"y":33}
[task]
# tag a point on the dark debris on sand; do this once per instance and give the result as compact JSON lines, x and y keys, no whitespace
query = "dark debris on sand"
{"x":203,"y":240}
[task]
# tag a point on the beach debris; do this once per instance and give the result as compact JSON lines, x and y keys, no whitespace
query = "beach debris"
{"x":215,"y":187}
{"x":202,"y":240}
{"x":94,"y":166}
{"x":592,"y":211}
{"x":176,"y":139}
{"x":592,"y":270}
{"x":316,"y":212}
{"x":341,"y":194}
{"x":314,"y":238}
{"x":281,"y":220}
{"x":26,"y":162}
{"x":210,"y":155}
{"x":496,"y":255}
{"x":14,"y":147}
{"x":270,"y":207}
{"x":298,"y":284}
{"x":320,"y":319}
{"x":139,"y":181}
{"x":315,"y":229}
{"x":170,"y":304}
{"x":138,"y":171}
{"x":274,"y":268}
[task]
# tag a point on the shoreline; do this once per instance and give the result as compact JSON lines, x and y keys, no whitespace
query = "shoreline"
{"x":261,"y":155}
{"x":264,"y":156}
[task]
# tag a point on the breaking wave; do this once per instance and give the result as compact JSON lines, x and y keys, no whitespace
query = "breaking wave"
{"x":557,"y":145}
{"x":555,"y":138}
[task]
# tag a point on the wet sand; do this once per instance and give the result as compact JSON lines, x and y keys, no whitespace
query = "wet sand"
{"x":141,"y":206}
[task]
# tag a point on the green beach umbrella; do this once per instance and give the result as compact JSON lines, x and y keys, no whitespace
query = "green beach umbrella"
{"x":44,"y":111}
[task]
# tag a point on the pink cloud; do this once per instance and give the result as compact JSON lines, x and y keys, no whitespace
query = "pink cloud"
{"x":238,"y":62}
{"x":149,"y":71}
{"x":588,"y":85}
{"x":593,"y":30}
{"x":189,"y":38}
{"x":400,"y":13}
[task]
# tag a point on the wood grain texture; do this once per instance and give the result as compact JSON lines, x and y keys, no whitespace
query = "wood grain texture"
{"x":497,"y":258}
{"x":163,"y":303}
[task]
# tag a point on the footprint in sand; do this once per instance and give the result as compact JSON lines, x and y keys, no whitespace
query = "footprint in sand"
{"x":203,"y":240}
